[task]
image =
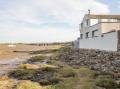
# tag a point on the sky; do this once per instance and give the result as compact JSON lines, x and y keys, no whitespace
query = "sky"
{"x":47,"y":20}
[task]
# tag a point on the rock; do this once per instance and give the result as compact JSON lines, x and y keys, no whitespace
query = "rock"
{"x":103,"y":61}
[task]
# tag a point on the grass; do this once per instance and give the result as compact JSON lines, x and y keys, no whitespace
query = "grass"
{"x":67,"y":72}
{"x":90,"y":80}
{"x":67,"y":77}
{"x":38,"y":58}
{"x":28,"y":66}
{"x":36,"y":66}
{"x":86,"y":78}
{"x":75,"y":79}
{"x":27,"y":85}
{"x":53,"y":50}
{"x":6,"y":83}
{"x":64,"y":78}
{"x":43,"y":75}
{"x":59,"y":75}
{"x":106,"y":82}
{"x":84,"y":71}
{"x":68,"y":83}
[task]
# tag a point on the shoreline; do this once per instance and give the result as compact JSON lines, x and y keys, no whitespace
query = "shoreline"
{"x":11,"y":64}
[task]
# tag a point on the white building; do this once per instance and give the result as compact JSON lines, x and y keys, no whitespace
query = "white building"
{"x":100,"y":32}
{"x":76,"y":43}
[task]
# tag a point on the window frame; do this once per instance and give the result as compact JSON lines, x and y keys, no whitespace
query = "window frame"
{"x":87,"y":34}
{"x":81,"y":36}
{"x":87,"y":22}
{"x":93,"y":33}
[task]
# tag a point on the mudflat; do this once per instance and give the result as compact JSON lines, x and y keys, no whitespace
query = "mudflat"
{"x":9,"y":51}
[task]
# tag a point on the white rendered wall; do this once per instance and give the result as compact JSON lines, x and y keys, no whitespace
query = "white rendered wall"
{"x":76,"y":44}
{"x":90,"y":29}
{"x":107,"y":42}
{"x":93,"y":21}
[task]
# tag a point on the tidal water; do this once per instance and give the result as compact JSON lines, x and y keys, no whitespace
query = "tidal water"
{"x":7,"y":65}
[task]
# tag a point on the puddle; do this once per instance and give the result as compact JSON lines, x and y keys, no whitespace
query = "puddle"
{"x":41,"y":62}
{"x":7,"y":65}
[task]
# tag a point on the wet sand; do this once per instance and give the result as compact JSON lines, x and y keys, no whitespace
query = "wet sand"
{"x":7,"y":52}
{"x":10,"y":59}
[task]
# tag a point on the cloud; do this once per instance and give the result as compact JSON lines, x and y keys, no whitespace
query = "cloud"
{"x":44,"y":20}
{"x":36,"y":35}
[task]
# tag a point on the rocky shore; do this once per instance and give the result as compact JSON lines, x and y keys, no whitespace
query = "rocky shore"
{"x":103,"y":61}
{"x":69,"y":68}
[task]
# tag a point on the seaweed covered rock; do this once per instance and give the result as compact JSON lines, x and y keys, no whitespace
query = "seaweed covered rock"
{"x":44,"y":76}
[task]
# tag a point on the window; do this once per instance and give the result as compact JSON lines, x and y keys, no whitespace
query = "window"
{"x":102,"y":35}
{"x":81,"y":36}
{"x":95,"y":33}
{"x":81,"y":25}
{"x":87,"y":35}
{"x":87,"y":22}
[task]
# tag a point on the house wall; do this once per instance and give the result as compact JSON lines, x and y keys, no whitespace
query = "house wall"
{"x":76,"y":44}
{"x":107,"y":41}
{"x":90,"y":29}
{"x":106,"y":27}
{"x":105,"y":38}
{"x":93,"y":21}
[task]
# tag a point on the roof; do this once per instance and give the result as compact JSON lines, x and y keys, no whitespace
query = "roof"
{"x":93,"y":16}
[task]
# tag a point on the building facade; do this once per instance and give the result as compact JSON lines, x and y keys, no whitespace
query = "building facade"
{"x":100,"y":32}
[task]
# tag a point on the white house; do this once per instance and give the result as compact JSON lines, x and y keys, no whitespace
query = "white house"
{"x":100,"y":32}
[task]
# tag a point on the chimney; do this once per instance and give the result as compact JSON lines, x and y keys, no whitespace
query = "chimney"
{"x":89,"y":12}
